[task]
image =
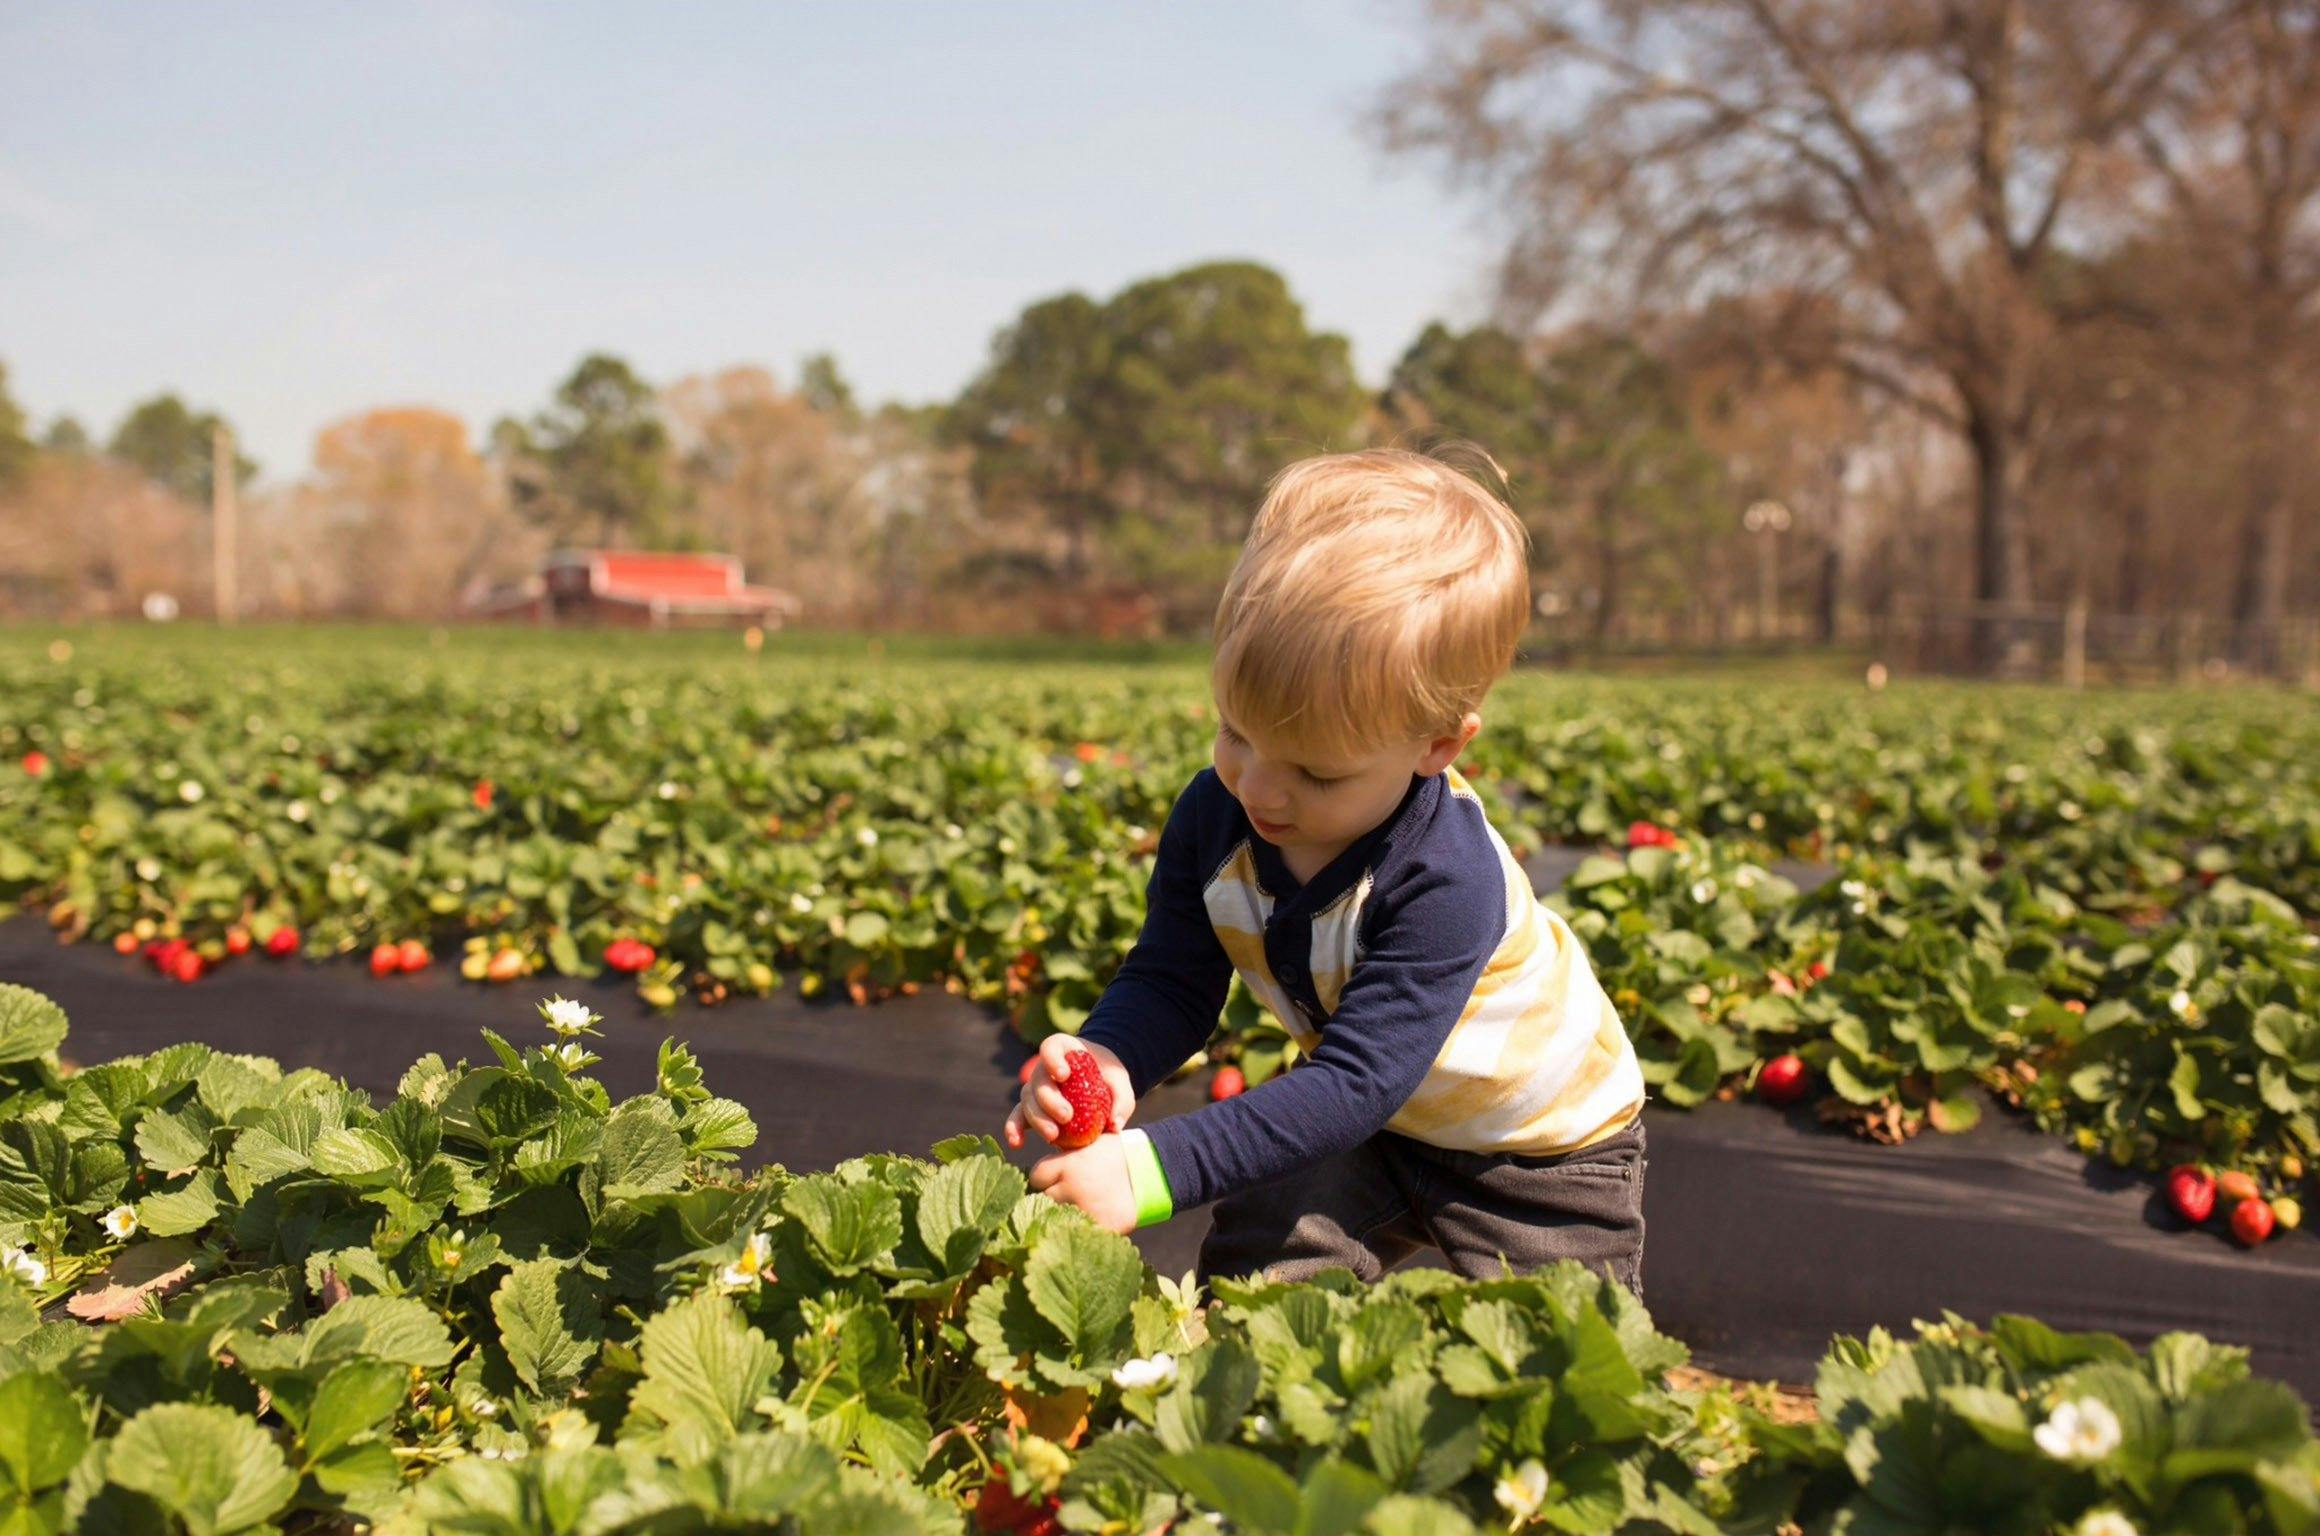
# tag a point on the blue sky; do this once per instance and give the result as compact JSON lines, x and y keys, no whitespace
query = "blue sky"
{"x":292,"y":212}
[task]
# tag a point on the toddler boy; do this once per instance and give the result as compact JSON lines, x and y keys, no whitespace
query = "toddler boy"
{"x":1464,"y":1082}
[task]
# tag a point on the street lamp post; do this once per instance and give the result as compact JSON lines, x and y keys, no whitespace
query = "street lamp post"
{"x":1768,"y":520}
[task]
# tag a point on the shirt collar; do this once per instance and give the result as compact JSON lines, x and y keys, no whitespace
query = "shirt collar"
{"x":1341,"y":873}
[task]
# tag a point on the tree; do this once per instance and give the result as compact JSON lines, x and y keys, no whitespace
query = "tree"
{"x":1910,"y":167}
{"x":1040,"y":427}
{"x":825,"y":388}
{"x":16,"y":450}
{"x":67,"y":436}
{"x":173,"y":444}
{"x":772,"y":480}
{"x":411,"y":514}
{"x":1645,"y":492}
{"x":602,"y":459}
{"x":2236,"y":145}
{"x":1477,"y":386}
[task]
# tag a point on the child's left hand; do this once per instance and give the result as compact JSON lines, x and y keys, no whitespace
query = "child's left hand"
{"x":1095,"y":1178}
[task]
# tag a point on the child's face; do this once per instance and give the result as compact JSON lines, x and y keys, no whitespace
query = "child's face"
{"x":1321,"y":807}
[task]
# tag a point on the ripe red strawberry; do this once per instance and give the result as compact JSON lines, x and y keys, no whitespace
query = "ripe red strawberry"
{"x":505,"y":965}
{"x":1645,"y":834}
{"x":386,"y":959}
{"x":1229,"y":1083}
{"x":1818,"y":970}
{"x":2191,"y":1191}
{"x":414,"y":955}
{"x":2251,"y":1222}
{"x":628,"y":955}
{"x":1784,"y":1079}
{"x":186,"y":965}
{"x":282,"y":942}
{"x":164,"y":954}
{"x":1091,"y":1102}
{"x":2235,"y":1186}
{"x":1087,"y":752}
{"x":237,"y":940}
{"x":998,"y":1507}
{"x":124,"y":943}
{"x":36,"y":763}
{"x":483,"y":793}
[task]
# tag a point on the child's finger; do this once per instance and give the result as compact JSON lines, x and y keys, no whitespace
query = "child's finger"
{"x":1012,"y":1131}
{"x":1046,"y":1172}
{"x":1052,"y":1100}
{"x":1036,"y":1117}
{"x":1055,"y":1051}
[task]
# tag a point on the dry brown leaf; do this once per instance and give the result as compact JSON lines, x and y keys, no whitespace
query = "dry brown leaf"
{"x":153,"y":1268}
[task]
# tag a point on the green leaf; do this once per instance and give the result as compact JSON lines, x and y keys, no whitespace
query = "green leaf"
{"x":174,"y":1142}
{"x":30,"y":1025}
{"x":190,"y":1207}
{"x":850,"y":1225}
{"x":363,"y":1158}
{"x":642,"y":1153}
{"x":717,"y":1128}
{"x":1084,"y":1281}
{"x":1250,"y":1492}
{"x":43,"y":1430}
{"x":549,"y":1323}
{"x":381,"y":1327}
{"x":1421,"y":1437}
{"x":355,"y":1398}
{"x":704,"y":1370}
{"x":961,"y":1204}
{"x":1214,"y":1388}
{"x":210,"y":1467}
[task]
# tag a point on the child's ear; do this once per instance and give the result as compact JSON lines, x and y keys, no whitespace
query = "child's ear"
{"x":1442,"y":751}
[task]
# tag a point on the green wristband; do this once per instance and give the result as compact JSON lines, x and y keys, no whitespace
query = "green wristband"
{"x":1147,"y":1180}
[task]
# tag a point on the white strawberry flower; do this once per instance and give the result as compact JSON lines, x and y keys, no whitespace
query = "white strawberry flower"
{"x":190,"y":791}
{"x":485,"y":1408}
{"x":2105,"y":1522}
{"x":667,"y":790}
{"x":867,"y":837}
{"x":570,"y":1054}
{"x":121,"y":1222}
{"x":1136,"y":1375}
{"x":953,"y":831}
{"x":1703,"y":891}
{"x":21,"y":1263}
{"x":1521,"y":1492}
{"x":2181,"y":1005}
{"x":1071,"y":778}
{"x":567,"y":1017}
{"x":800,"y":902}
{"x":2083,"y":1429}
{"x":753,"y":1267}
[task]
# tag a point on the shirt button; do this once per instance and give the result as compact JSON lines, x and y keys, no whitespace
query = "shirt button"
{"x":1288,"y":971}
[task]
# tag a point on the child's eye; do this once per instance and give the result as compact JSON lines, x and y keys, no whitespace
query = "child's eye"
{"x":1315,"y":780}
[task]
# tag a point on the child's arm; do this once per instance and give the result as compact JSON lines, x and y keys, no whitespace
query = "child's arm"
{"x":1404,"y":997}
{"x":1163,"y":1004}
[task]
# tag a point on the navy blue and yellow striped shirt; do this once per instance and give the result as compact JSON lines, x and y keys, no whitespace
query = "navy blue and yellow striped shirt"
{"x":1431,"y":993}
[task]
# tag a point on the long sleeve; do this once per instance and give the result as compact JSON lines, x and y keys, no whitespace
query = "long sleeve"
{"x":1431,"y":941}
{"x":1164,"y":1002}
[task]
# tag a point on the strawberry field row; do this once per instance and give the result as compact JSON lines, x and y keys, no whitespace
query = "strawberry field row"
{"x":2099,"y":907}
{"x":233,"y":1299}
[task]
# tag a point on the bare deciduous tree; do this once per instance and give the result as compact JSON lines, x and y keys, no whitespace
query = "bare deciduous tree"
{"x":1907,"y":168}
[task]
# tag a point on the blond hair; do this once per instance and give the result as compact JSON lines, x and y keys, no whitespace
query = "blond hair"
{"x":1378,"y":597}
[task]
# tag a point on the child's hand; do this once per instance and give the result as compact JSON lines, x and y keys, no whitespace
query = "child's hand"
{"x":1042,"y":1105}
{"x":1095,"y":1179}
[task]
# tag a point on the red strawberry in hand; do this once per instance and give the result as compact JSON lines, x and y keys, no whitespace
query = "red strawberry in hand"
{"x":2191,"y":1191}
{"x":1783,"y":1080}
{"x":1091,"y":1102}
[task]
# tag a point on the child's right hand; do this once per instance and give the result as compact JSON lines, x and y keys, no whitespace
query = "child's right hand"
{"x":1042,"y":1105}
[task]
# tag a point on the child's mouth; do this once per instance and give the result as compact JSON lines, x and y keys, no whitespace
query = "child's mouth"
{"x":1270,"y":829}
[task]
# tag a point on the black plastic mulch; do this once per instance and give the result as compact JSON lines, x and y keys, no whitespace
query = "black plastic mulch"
{"x":1765,"y":1234}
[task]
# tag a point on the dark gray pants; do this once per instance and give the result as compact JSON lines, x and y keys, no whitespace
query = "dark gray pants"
{"x":1372,"y":1207}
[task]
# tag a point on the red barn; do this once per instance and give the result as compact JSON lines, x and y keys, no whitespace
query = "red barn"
{"x":650,"y":588}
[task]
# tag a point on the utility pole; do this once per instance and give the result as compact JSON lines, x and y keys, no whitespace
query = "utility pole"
{"x":223,"y":510}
